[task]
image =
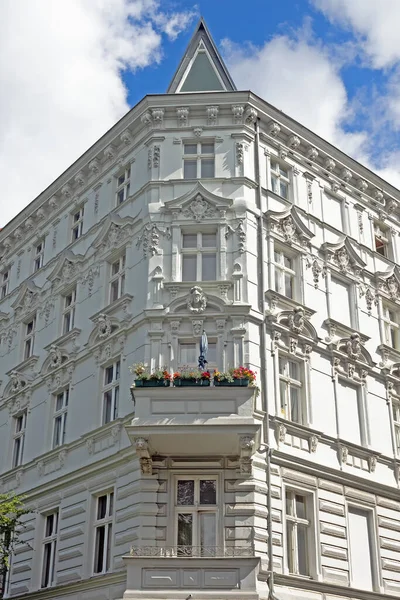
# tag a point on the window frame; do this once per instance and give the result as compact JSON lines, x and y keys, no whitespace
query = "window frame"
{"x":395,"y":410}
{"x":199,"y":157}
{"x":374,"y":546}
{"x":277,"y":176}
{"x":5,"y":282}
{"x":60,"y":414}
{"x":29,"y":337}
{"x":391,"y":327}
{"x":117,"y":278}
{"x":289,"y":382}
{"x":311,"y":533}
{"x":362,"y":410}
{"x":199,"y":251}
{"x":382,"y":235}
{"x":123,"y":188}
{"x":38,"y":260}
{"x":49,"y":542}
{"x":77,"y":218}
{"x":107,"y":523}
{"x":19,"y":439}
{"x":114,"y":387}
{"x":68,"y":313}
{"x":280,"y":271}
{"x":196,"y":342}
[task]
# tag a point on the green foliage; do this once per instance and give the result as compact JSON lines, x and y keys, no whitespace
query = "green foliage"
{"x":12,"y":509}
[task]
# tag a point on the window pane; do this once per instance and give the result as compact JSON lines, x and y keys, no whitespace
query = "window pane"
{"x":212,"y":353}
{"x":283,"y":171}
{"x":207,"y":148}
{"x":208,"y":528}
{"x":185,"y":530}
{"x":290,"y":546}
{"x":209,"y":240}
{"x":209,"y":267}
{"x":59,"y":401}
{"x":189,"y":240}
{"x":188,"y":354}
{"x":283,"y":189}
{"x":121,"y":179}
{"x":360,"y":542}
{"x":340,"y":301}
{"x":295,"y":413}
{"x":287,"y":262}
{"x":49,"y":525}
{"x":288,"y":286}
{"x":120,"y":196}
{"x":190,"y":169}
{"x":109,"y":374}
{"x":207,"y":167}
{"x":185,"y":492}
{"x":208,"y":492}
{"x":189,"y":263}
{"x":57,"y":431}
{"x":99,"y":549}
{"x":190,"y":148}
{"x":108,"y":550}
{"x":107,"y":406}
{"x":302,"y":549}
{"x":114,"y":291}
{"x":293,"y":370}
{"x":46,"y":565}
{"x":101,"y":507}
{"x":115,"y":268}
{"x":283,"y":392}
{"x":274,"y":184}
{"x":300,"y":506}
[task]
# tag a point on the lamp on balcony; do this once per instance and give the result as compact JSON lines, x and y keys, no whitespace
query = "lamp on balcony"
{"x":203,"y":351}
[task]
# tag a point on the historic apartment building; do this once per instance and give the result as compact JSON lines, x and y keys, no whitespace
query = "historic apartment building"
{"x":204,"y":208}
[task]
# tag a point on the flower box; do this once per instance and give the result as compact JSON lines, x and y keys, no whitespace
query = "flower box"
{"x":179,"y":382}
{"x":234,"y":383}
{"x":152,"y":383}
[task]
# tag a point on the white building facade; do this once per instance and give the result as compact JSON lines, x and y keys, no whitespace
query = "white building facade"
{"x":204,"y":209}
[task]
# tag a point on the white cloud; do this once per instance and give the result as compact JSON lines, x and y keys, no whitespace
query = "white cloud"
{"x":60,"y":76}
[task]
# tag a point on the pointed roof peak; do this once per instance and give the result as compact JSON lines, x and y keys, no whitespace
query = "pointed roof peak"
{"x":201,"y":68}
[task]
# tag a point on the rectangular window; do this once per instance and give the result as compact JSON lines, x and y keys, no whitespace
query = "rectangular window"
{"x":69,"y":311}
{"x":382,"y":240}
{"x":291,"y":375}
{"x":111,"y":392}
{"x":391,"y":326}
{"x":199,"y":256}
{"x":298,"y":533}
{"x":117,"y":278}
{"x":340,"y":301}
{"x":77,"y":224}
{"x":189,"y":353}
{"x":335,"y":208}
{"x":123,"y":185}
{"x":198,"y":160}
{"x":49,"y":549}
{"x":361,"y":544}
{"x":285,"y":273}
{"x":396,"y":424}
{"x":19,"y":439}
{"x":39,"y":256}
{"x":29,"y":337}
{"x":349,"y":399}
{"x":103,"y":533}
{"x":280,"y":179}
{"x":4,"y":282}
{"x":196,"y":512}
{"x":60,"y":418}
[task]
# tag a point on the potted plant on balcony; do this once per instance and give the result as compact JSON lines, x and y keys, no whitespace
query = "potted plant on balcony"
{"x":188,"y":376}
{"x":146,"y":378}
{"x":239,"y":376}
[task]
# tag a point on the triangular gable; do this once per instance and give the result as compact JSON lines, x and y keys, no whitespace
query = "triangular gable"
{"x":27,"y":297}
{"x":201,"y":68}
{"x":66,"y":267}
{"x":115,"y":231}
{"x":199,"y":203}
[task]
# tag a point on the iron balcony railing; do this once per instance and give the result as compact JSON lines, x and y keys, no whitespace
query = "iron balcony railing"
{"x":192,"y":551}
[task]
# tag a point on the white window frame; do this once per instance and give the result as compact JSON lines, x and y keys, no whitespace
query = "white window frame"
{"x":68,"y":315}
{"x":291,"y":565}
{"x":373,"y":544}
{"x":280,"y":176}
{"x":123,"y":182}
{"x":49,"y":549}
{"x":199,"y":251}
{"x":19,"y":439}
{"x":353,"y":306}
{"x":196,"y":343}
{"x":362,"y":409}
{"x":106,"y":524}
{"x":60,"y":417}
{"x":38,"y":260}
{"x":117,"y":279}
{"x":282,"y":272}
{"x":77,"y":223}
{"x":196,"y":510}
{"x":396,"y":423}
{"x":199,"y":157}
{"x":5,"y":282}
{"x":391,"y":326}
{"x":382,"y":235}
{"x":110,"y":391}
{"x":29,"y":337}
{"x":288,"y":382}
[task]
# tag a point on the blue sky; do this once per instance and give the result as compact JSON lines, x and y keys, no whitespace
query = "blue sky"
{"x":333,"y":65}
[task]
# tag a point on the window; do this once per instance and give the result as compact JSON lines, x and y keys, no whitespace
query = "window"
{"x":117,"y":278}
{"x":196,"y":516}
{"x":111,"y":392}
{"x":198,"y":160}
{"x":189,"y":353}
{"x":335,"y":211}
{"x":60,"y":417}
{"x":69,"y":311}
{"x":4,"y":282}
{"x":199,"y":256}
{"x":391,"y":326}
{"x":340,"y":301}
{"x":396,"y":424}
{"x":19,"y":439}
{"x":382,"y":240}
{"x":49,"y":549}
{"x":290,"y":389}
{"x":77,"y":224}
{"x":103,"y":533}
{"x":298,"y":533}
{"x":280,"y":181}
{"x":123,"y":185}
{"x":39,"y":256}
{"x":29,"y":339}
{"x":349,"y":405}
{"x":285,"y":274}
{"x":361,"y":544}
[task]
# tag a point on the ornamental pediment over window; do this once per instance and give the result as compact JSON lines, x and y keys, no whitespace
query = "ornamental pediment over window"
{"x":290,"y":226}
{"x":107,"y":337}
{"x":27,"y":299}
{"x":388,"y":282}
{"x":68,"y":266}
{"x":342,"y":255}
{"x":18,"y":384}
{"x":56,"y":358}
{"x":293,"y":331}
{"x":114,"y":232}
{"x":351,"y":359}
{"x":199,"y":204}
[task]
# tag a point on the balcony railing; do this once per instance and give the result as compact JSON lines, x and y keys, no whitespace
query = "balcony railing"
{"x":192,"y":551}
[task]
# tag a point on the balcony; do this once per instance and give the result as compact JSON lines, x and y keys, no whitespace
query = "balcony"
{"x":177,"y":572}
{"x":190,"y":421}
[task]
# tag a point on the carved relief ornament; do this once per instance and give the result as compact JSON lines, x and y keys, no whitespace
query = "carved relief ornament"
{"x":290,"y":226}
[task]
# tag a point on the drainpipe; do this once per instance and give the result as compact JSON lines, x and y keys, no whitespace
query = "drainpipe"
{"x":263,"y":360}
